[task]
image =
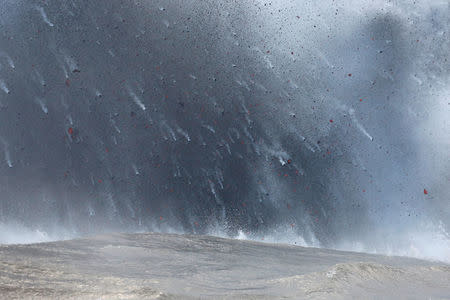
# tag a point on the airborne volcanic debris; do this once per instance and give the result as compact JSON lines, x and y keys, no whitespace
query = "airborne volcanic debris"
{"x":235,"y":117}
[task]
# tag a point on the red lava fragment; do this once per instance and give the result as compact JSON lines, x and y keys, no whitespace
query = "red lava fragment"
{"x":331,"y":121}
{"x":99,"y":181}
{"x":286,"y":175}
{"x":67,"y":82}
{"x":425,"y":191}
{"x":360,"y":100}
{"x":70,"y":130}
{"x":289,"y":161}
{"x":160,"y":218}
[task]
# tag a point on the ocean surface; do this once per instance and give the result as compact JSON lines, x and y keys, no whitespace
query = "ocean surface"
{"x":170,"y":266}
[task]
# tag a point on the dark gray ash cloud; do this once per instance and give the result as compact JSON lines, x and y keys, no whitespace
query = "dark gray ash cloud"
{"x":315,"y":121}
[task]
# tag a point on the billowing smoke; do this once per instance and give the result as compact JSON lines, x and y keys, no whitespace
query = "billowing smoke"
{"x":317,"y":123}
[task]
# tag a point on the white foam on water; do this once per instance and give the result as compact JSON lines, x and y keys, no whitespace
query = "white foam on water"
{"x":15,"y":233}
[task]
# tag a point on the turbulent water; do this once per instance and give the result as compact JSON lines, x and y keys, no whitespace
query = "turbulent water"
{"x":320,"y":123}
{"x":188,"y":267}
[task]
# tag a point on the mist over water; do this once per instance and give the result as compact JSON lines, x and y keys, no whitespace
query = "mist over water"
{"x":319,"y":123}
